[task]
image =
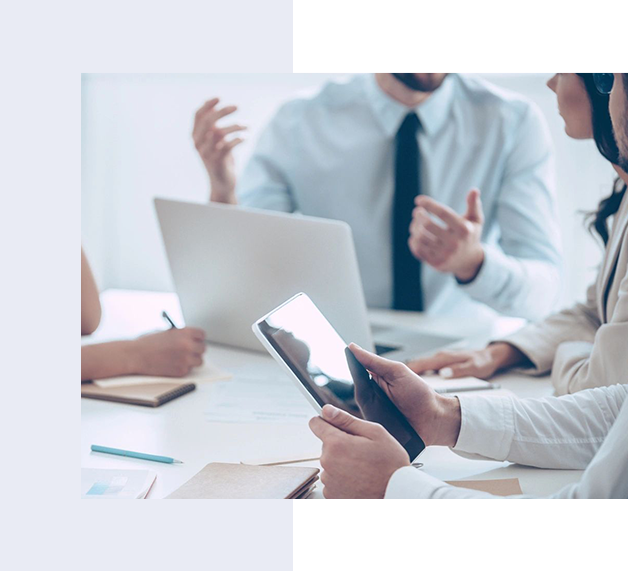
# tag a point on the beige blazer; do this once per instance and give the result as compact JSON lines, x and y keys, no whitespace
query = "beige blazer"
{"x":587,"y":345}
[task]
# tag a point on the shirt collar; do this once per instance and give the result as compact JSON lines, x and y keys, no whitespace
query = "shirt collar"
{"x":433,"y":112}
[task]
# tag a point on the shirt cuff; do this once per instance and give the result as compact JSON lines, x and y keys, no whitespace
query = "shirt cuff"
{"x":408,"y":482}
{"x":490,"y":278}
{"x":487,"y":426}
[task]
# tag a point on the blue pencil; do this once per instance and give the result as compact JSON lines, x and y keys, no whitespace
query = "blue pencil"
{"x":140,"y":455}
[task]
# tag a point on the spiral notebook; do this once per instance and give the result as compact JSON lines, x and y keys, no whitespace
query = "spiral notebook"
{"x":143,"y":393}
{"x":150,"y":391}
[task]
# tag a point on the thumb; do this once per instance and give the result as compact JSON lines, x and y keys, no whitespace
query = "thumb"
{"x":346,"y":422}
{"x":372,"y":362}
{"x":474,"y":207}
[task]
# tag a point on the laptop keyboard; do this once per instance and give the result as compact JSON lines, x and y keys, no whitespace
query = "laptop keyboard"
{"x":383,"y":349}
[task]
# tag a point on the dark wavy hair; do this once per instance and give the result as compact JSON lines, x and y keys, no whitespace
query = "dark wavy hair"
{"x":605,"y":141}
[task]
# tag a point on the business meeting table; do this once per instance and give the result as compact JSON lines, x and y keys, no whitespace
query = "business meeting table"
{"x":190,"y":429}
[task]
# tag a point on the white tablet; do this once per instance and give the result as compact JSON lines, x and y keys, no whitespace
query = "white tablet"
{"x":312,"y":353}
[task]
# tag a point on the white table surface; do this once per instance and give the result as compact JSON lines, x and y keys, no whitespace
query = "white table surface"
{"x":180,"y":429}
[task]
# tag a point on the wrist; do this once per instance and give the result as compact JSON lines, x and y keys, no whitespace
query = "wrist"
{"x":472,"y":267}
{"x":505,"y":355}
{"x":221,"y":191}
{"x":131,"y":357}
{"x":449,"y":421}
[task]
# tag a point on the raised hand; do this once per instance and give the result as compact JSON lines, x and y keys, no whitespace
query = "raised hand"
{"x":215,"y":148}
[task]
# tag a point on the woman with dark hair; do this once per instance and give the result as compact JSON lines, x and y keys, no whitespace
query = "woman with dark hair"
{"x":586,"y":345}
{"x":605,"y":141}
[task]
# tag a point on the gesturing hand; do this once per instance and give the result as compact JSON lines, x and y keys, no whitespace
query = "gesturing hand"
{"x":455,"y":247}
{"x":215,"y":149}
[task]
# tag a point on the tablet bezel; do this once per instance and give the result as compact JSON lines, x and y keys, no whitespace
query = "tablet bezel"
{"x":318,"y":407}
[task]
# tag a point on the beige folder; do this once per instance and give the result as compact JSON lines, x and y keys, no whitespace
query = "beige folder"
{"x":241,"y":481}
{"x":502,"y":487}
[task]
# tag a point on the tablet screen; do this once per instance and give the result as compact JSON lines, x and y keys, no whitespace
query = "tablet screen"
{"x":320,"y":359}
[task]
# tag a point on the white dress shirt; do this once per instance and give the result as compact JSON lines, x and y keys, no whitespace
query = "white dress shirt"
{"x":332,"y":154}
{"x":586,"y":430}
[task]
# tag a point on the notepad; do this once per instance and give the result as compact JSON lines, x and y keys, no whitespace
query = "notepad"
{"x":115,"y":484}
{"x":241,"y":481}
{"x":208,"y":372}
{"x":143,"y":394}
{"x":462,"y":384}
{"x":149,"y":391}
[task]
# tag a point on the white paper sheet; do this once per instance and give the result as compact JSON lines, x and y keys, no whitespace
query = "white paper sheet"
{"x":208,"y":372}
{"x":115,"y":484}
{"x":257,"y":400}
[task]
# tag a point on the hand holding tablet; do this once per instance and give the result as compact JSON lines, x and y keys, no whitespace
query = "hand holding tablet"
{"x":310,"y":350}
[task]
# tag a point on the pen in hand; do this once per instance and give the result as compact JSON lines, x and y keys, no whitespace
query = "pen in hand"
{"x":167,"y":318}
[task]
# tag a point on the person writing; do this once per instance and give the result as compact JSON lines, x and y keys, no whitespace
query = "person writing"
{"x":171,"y":353}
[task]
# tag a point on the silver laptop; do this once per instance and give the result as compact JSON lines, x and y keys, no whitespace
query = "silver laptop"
{"x":232,"y":264}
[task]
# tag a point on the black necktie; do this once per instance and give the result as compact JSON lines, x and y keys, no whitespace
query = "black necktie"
{"x":407,"y":294}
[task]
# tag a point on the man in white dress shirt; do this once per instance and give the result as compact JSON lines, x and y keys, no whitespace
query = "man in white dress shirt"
{"x":400,"y":158}
{"x":361,"y":459}
{"x":586,"y":430}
